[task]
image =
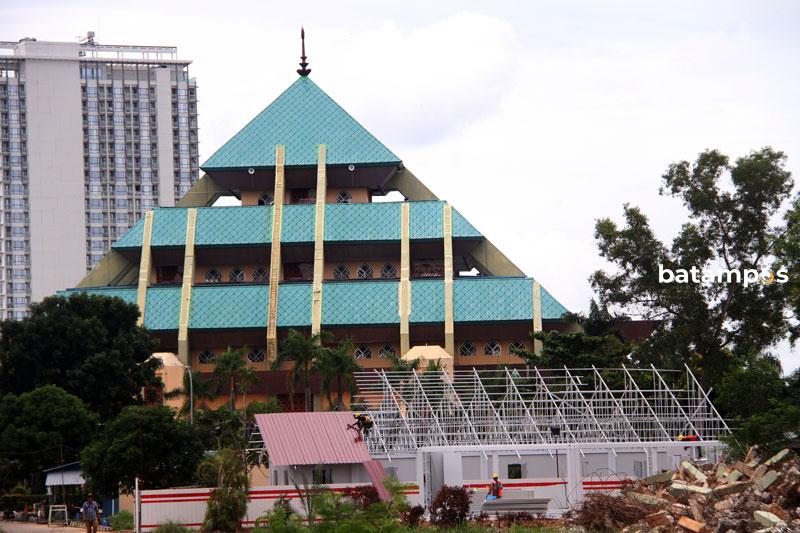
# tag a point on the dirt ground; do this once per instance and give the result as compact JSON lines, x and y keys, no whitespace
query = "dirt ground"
{"x":8,"y":526}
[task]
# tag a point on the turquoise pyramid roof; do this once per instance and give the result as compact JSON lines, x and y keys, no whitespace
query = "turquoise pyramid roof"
{"x":301,"y":118}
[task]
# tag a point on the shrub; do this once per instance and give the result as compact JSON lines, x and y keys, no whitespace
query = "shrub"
{"x":281,"y":519}
{"x":171,"y":527}
{"x":123,"y":520}
{"x":363,"y":496}
{"x":450,"y":508}
{"x":413,"y":516}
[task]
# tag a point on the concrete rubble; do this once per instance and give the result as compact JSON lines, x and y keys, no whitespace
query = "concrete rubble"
{"x":754,"y":494}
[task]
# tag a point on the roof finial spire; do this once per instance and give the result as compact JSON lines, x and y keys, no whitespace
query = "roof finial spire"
{"x":303,"y":70}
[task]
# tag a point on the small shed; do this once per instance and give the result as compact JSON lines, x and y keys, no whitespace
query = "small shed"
{"x":317,"y":448}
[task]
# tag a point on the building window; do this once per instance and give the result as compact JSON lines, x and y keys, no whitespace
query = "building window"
{"x":213,"y":276}
{"x":344,"y":197}
{"x":467,"y":349}
{"x":516,"y":347}
{"x":206,"y":357}
{"x":236,"y":276}
{"x":365,"y":272}
{"x":322,"y":476}
{"x":492,"y":348}
{"x":256,"y":356}
{"x":516,"y":471}
{"x":266,"y":199}
{"x":341,"y":272}
{"x":362,"y":352}
{"x":387,"y":352}
{"x":388,"y":271}
{"x":260,"y":275}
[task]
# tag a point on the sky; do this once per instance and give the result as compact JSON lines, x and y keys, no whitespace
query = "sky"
{"x":533,"y":119}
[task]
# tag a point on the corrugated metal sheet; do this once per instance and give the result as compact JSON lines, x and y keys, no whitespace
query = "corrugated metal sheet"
{"x":377,"y":475}
{"x":311,"y":439}
{"x":68,"y":477}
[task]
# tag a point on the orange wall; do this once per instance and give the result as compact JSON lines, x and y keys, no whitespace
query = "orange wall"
{"x":209,"y":367}
{"x":225,"y":270}
{"x":505,"y":357}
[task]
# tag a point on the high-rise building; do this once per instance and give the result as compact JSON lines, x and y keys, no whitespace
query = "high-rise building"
{"x":91,"y":137}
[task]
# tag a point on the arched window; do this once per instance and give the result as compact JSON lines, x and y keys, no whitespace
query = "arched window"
{"x":256,"y":356}
{"x":515,"y":347}
{"x":388,"y":271}
{"x":213,"y":276}
{"x":341,"y":272}
{"x":492,"y":348}
{"x":266,"y":199}
{"x":260,"y":275}
{"x":467,"y":349}
{"x":206,"y":357}
{"x":362,"y":352}
{"x":236,"y":275}
{"x":365,"y":272}
{"x":344,"y":197}
{"x":387,"y":352}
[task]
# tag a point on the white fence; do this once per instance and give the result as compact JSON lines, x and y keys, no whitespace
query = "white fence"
{"x":187,"y":507}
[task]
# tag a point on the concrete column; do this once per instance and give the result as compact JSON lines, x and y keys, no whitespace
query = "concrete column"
{"x":145,"y":265}
{"x":186,"y":287}
{"x":404,"y":295}
{"x":319,"y":242}
{"x":574,"y":476}
{"x":449,"y":327}
{"x":537,"y":315}
{"x":275,"y":258}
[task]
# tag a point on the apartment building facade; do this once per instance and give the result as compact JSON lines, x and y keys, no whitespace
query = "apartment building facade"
{"x":91,"y":137}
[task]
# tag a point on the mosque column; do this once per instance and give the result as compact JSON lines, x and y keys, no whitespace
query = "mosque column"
{"x":449,"y":326}
{"x":319,"y":242}
{"x":537,"y":316}
{"x":404,"y":288}
{"x":275,"y":256}
{"x":145,"y":266}
{"x":186,"y":287}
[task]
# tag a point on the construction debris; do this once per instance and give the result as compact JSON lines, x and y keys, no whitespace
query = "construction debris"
{"x":755,"y":494}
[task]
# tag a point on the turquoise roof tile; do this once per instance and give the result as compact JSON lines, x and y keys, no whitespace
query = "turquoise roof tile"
{"x":362,"y":222}
{"x":359,"y":302}
{"x":294,"y":305}
{"x":128,"y":294}
{"x":301,"y":118}
{"x":226,"y":226}
{"x":229,"y":306}
{"x":162,"y":308}
{"x":426,"y":220}
{"x":169,"y":227}
{"x":484,"y":299}
{"x":427,"y":301}
{"x":132,"y":238}
{"x":462,"y":228}
{"x":551,"y":308}
{"x":298,"y":223}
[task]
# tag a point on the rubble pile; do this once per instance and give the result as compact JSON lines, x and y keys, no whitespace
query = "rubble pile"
{"x":754,"y":494}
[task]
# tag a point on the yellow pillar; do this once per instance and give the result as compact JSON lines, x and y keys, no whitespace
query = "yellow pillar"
{"x":537,"y":315}
{"x":449,"y":327}
{"x":404,"y":288}
{"x":145,"y":265}
{"x":275,"y":257}
{"x":186,"y":287}
{"x":319,"y":242}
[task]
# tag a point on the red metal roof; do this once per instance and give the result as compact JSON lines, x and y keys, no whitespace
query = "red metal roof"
{"x":311,"y":438}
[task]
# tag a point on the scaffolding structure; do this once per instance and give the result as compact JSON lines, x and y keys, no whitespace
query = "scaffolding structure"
{"x":529,"y":407}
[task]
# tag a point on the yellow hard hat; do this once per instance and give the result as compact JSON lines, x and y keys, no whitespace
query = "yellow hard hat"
{"x":495,"y":474}
{"x":357,"y":414}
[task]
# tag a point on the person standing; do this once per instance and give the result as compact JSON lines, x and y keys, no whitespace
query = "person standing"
{"x":89,"y":512}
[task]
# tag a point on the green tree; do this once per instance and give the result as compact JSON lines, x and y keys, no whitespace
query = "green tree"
{"x":37,"y":428}
{"x":227,"y":503}
{"x":755,"y":387}
{"x":303,"y":352}
{"x":88,"y":345}
{"x":231,"y":371}
{"x":731,"y":210}
{"x":144,"y":442}
{"x":595,"y":340}
{"x":337,"y":365}
{"x":201,"y":389}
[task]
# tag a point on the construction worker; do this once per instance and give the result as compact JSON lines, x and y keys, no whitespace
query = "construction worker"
{"x":495,"y":488}
{"x":687,"y":438}
{"x":362,"y":425}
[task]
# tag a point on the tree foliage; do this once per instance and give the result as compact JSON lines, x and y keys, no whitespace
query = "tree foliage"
{"x":40,"y":427}
{"x":731,"y":210}
{"x":144,"y":442}
{"x":231,"y":372}
{"x":86,"y":344}
{"x":336,"y":365}
{"x":227,"y":503}
{"x":303,"y":352}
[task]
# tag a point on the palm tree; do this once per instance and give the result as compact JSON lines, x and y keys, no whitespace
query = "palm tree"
{"x":337,"y":364}
{"x":303,"y":352}
{"x":399,"y":364}
{"x":200,"y":389}
{"x":231,"y":368}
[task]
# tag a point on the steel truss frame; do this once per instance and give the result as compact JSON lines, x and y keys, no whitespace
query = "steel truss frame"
{"x":534,"y":406}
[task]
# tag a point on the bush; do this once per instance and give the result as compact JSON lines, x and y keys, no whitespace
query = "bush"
{"x":281,"y":519}
{"x":171,"y":527}
{"x":363,"y":496}
{"x":413,"y":516}
{"x":450,"y":508}
{"x":123,"y":520}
